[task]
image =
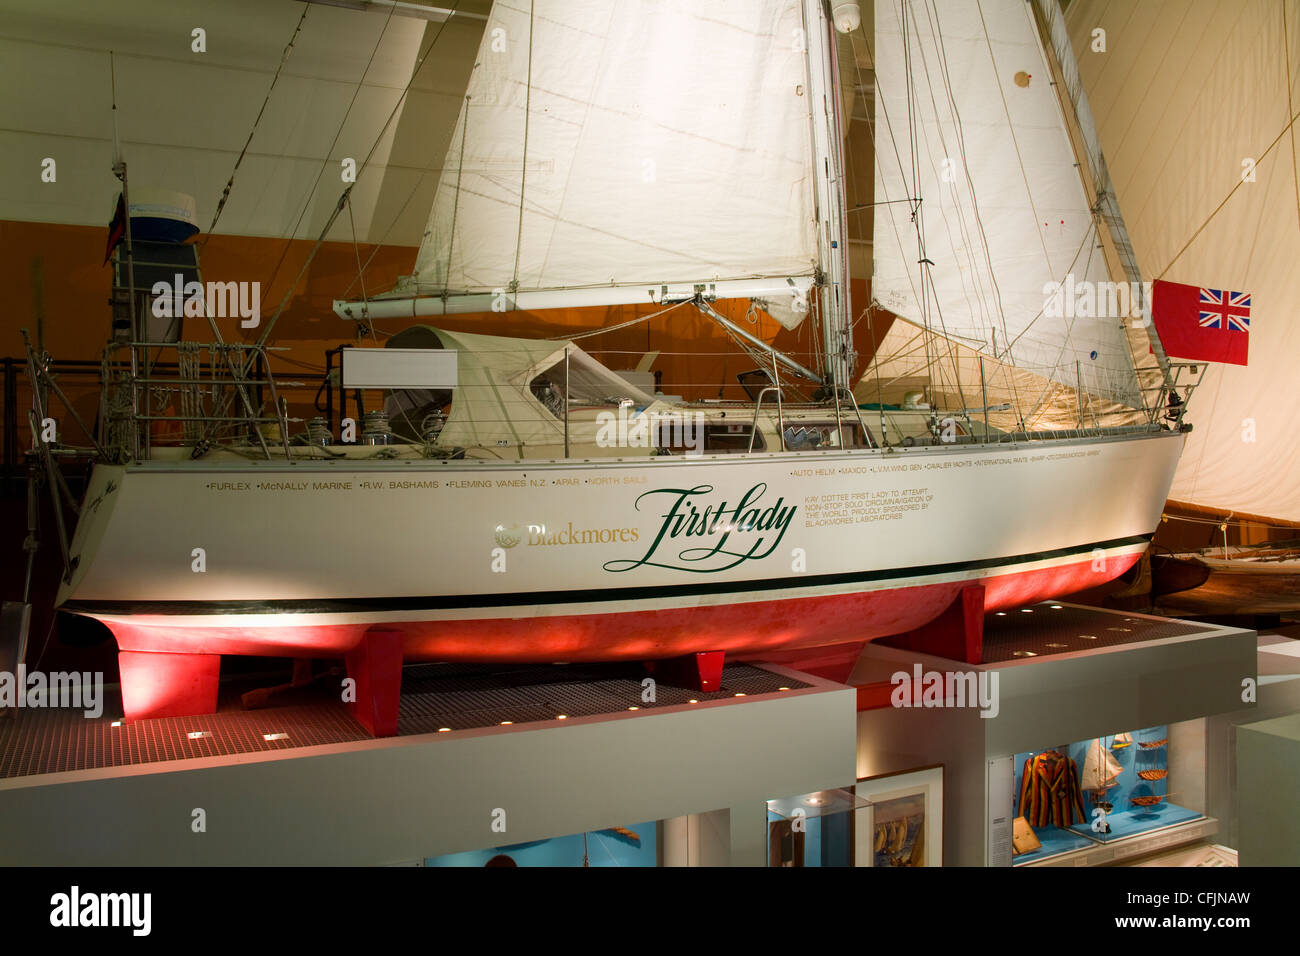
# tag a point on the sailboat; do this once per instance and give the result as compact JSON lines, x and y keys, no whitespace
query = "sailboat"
{"x":1100,"y":770}
{"x":519,"y":500}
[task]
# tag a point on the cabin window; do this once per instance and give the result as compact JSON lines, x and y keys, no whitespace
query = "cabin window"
{"x":588,"y":384}
{"x":811,"y":436}
{"x":730,"y":438}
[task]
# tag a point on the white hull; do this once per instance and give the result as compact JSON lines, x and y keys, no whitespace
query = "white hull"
{"x":478,"y":560}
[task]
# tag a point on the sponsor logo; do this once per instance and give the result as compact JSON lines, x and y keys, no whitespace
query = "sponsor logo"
{"x":749,"y":530}
{"x":539,"y":534}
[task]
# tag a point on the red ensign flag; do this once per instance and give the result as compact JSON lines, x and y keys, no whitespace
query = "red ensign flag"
{"x":1211,"y":325}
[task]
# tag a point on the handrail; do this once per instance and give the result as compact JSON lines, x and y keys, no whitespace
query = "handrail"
{"x":780,"y":418}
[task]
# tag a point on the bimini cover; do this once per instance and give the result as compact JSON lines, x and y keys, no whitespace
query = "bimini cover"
{"x":509,"y":391}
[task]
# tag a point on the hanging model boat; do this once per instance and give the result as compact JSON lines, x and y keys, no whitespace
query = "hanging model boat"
{"x":1101,"y":771}
{"x":531,"y":504}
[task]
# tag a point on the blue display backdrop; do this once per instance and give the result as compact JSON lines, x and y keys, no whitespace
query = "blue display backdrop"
{"x":603,"y":848}
{"x":1126,"y":818}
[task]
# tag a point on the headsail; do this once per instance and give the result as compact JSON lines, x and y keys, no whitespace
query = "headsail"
{"x":966,"y":119}
{"x":633,"y":144}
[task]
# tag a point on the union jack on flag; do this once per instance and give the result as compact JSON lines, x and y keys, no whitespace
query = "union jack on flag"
{"x":1221,"y":309}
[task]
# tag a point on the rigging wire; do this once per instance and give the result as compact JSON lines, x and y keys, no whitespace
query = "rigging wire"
{"x":360,"y":168}
{"x":621,"y":325}
{"x":523,"y":172}
{"x":225,"y":193}
{"x":1231,"y":192}
{"x":325,"y":162}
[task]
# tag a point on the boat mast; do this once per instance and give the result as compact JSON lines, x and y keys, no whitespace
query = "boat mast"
{"x":839,"y":357}
{"x":1081,"y":128}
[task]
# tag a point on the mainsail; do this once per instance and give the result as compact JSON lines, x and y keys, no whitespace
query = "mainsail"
{"x":620,"y":146}
{"x":970,"y":139}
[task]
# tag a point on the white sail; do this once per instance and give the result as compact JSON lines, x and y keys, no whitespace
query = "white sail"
{"x":1004,"y":213}
{"x":614,"y":144}
{"x":1194,"y":112}
{"x":1100,"y":769}
{"x":908,"y":359}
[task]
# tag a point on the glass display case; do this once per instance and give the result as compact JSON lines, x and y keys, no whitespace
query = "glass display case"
{"x":1099,"y":790}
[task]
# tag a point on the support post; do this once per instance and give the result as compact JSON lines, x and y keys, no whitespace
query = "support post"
{"x":702,"y":671}
{"x":375,"y":664}
{"x":957,"y":633}
{"x":168,"y":685}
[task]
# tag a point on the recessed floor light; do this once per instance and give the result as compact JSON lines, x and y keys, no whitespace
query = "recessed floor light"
{"x":1023,"y":654}
{"x":506,"y":723}
{"x":196,"y":734}
{"x":1026,"y":610}
{"x":1056,"y":645}
{"x":1088,"y":637}
{"x":443,"y":730}
{"x":737,"y":695}
{"x":275,"y":736}
{"x":783,"y":688}
{"x":561,"y":716}
{"x":1056,"y":607}
{"x":693,"y":701}
{"x":116,"y":723}
{"x":1002,"y":613}
{"x":634,"y":708}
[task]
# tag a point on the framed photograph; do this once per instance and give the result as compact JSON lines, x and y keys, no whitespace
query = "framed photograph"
{"x":903,"y":826}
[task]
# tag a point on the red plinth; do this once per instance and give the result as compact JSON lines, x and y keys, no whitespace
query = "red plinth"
{"x":701,"y":671}
{"x":376,"y":665}
{"x":168,"y":685}
{"x":957,"y":633}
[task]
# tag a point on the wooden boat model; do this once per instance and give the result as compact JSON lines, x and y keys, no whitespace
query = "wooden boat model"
{"x":1253,"y":579}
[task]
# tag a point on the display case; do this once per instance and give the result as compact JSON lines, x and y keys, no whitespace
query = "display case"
{"x":1097,"y":791}
{"x":825,"y":828}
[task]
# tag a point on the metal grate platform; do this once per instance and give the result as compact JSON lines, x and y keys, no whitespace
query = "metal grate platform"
{"x":1052,"y":627}
{"x":434,"y":696}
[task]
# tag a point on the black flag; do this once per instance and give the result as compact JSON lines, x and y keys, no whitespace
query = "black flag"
{"x":116,"y":228}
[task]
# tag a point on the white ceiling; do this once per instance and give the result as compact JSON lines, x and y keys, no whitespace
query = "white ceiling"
{"x":184,"y":116}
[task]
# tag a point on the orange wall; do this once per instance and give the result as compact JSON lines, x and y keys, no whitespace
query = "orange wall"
{"x":62,"y":266}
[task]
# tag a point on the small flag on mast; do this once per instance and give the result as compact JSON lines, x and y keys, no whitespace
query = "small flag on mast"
{"x":116,"y":228}
{"x":1209,"y":325}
